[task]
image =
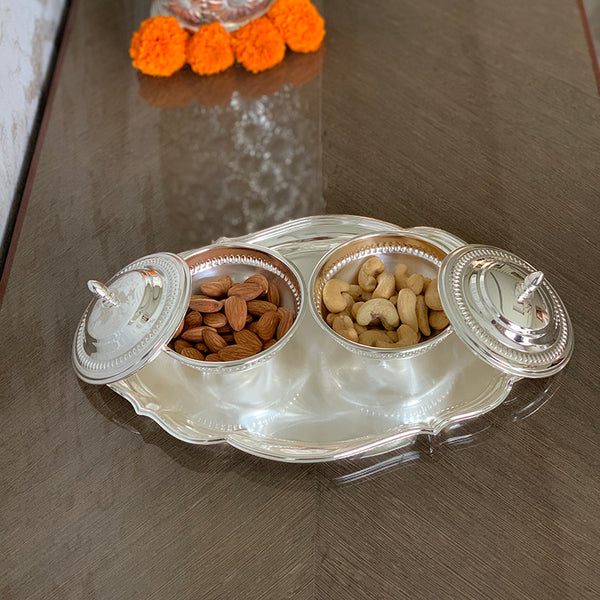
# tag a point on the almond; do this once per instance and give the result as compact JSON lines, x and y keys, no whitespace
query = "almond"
{"x":213,"y":289}
{"x":228,"y":337}
{"x":202,"y":347}
{"x":269,"y":343}
{"x":227,"y":328}
{"x":253,"y":327}
{"x":196,"y":334}
{"x":226,"y":282}
{"x":215,"y":320}
{"x":179,"y":329}
{"x":213,"y":340}
{"x":205,"y":305}
{"x":261,"y":280}
{"x":213,"y":358}
{"x":216,"y":289}
{"x":260,"y":307}
{"x":247,"y":290}
{"x":236,"y":311}
{"x":180,"y":345}
{"x":273,"y":294}
{"x":246,"y":338}
{"x":286,"y":318}
{"x":193,"y":319}
{"x":236,"y":352}
{"x":192,"y":353}
{"x":267,"y":325}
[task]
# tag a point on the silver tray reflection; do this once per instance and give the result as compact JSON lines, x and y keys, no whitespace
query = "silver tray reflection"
{"x":316,"y":401}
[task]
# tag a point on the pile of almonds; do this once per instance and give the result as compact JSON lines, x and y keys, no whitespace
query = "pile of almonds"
{"x":230,"y":321}
{"x":382,"y":309}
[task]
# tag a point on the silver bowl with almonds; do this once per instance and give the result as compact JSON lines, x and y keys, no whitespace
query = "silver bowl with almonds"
{"x":243,"y":306}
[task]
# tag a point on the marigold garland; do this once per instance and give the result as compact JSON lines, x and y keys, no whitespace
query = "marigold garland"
{"x":161,"y":46}
{"x":209,"y":50}
{"x":158,"y":47}
{"x":299,"y":23}
{"x":258,"y":45}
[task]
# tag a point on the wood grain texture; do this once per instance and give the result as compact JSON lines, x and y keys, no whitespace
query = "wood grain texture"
{"x":478,"y":118}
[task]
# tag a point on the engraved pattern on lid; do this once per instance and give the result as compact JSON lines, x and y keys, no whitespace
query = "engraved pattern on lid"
{"x":492,"y":329}
{"x":112,"y":342}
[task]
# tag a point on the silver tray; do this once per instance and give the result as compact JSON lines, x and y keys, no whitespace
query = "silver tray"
{"x":316,"y":401}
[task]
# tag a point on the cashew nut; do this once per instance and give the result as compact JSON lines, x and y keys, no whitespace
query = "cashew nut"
{"x":358,"y":293}
{"x":345,"y":327}
{"x":355,"y":308}
{"x":407,"y":336}
{"x":422,"y":315}
{"x":371,"y":337}
{"x":359,"y":329}
{"x":332,"y":295}
{"x":349,"y":300}
{"x":394,"y":299}
{"x":432,"y":296}
{"x":355,"y":291}
{"x":407,"y":308}
{"x":415,"y":283}
{"x":438,"y":319}
{"x":331,"y":316}
{"x":378,"y":308}
{"x":401,"y":276}
{"x":386,"y":286}
{"x":368,"y":271}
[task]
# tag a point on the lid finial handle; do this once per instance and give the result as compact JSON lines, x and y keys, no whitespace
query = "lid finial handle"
{"x":531,"y":283}
{"x":101,"y":291}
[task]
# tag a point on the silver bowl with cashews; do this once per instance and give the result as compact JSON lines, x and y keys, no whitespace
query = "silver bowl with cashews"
{"x":377,"y":295}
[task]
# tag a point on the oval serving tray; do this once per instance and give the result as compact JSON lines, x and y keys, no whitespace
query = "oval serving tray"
{"x":315,"y":401}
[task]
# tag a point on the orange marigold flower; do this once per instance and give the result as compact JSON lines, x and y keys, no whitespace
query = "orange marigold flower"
{"x":209,"y":50}
{"x":299,"y":23}
{"x":158,"y":46}
{"x":258,"y":45}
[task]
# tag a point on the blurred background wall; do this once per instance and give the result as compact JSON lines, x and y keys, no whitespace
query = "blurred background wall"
{"x":28,"y":30}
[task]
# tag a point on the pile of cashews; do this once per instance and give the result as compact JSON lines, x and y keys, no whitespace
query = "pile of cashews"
{"x":382,"y":309}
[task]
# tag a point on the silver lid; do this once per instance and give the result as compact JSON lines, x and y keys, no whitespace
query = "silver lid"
{"x":131,"y":318}
{"x":505,"y":311}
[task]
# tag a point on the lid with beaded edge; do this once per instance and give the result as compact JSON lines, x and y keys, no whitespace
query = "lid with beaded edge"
{"x":131,"y":318}
{"x":505,"y":311}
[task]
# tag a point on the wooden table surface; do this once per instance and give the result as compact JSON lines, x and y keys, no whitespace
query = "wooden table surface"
{"x":479,"y":118}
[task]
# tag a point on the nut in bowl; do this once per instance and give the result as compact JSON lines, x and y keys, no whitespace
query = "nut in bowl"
{"x":243,"y":308}
{"x":377,"y":295}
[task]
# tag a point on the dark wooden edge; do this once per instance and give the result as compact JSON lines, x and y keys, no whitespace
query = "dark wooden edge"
{"x":590,"y":42}
{"x":34,"y":147}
